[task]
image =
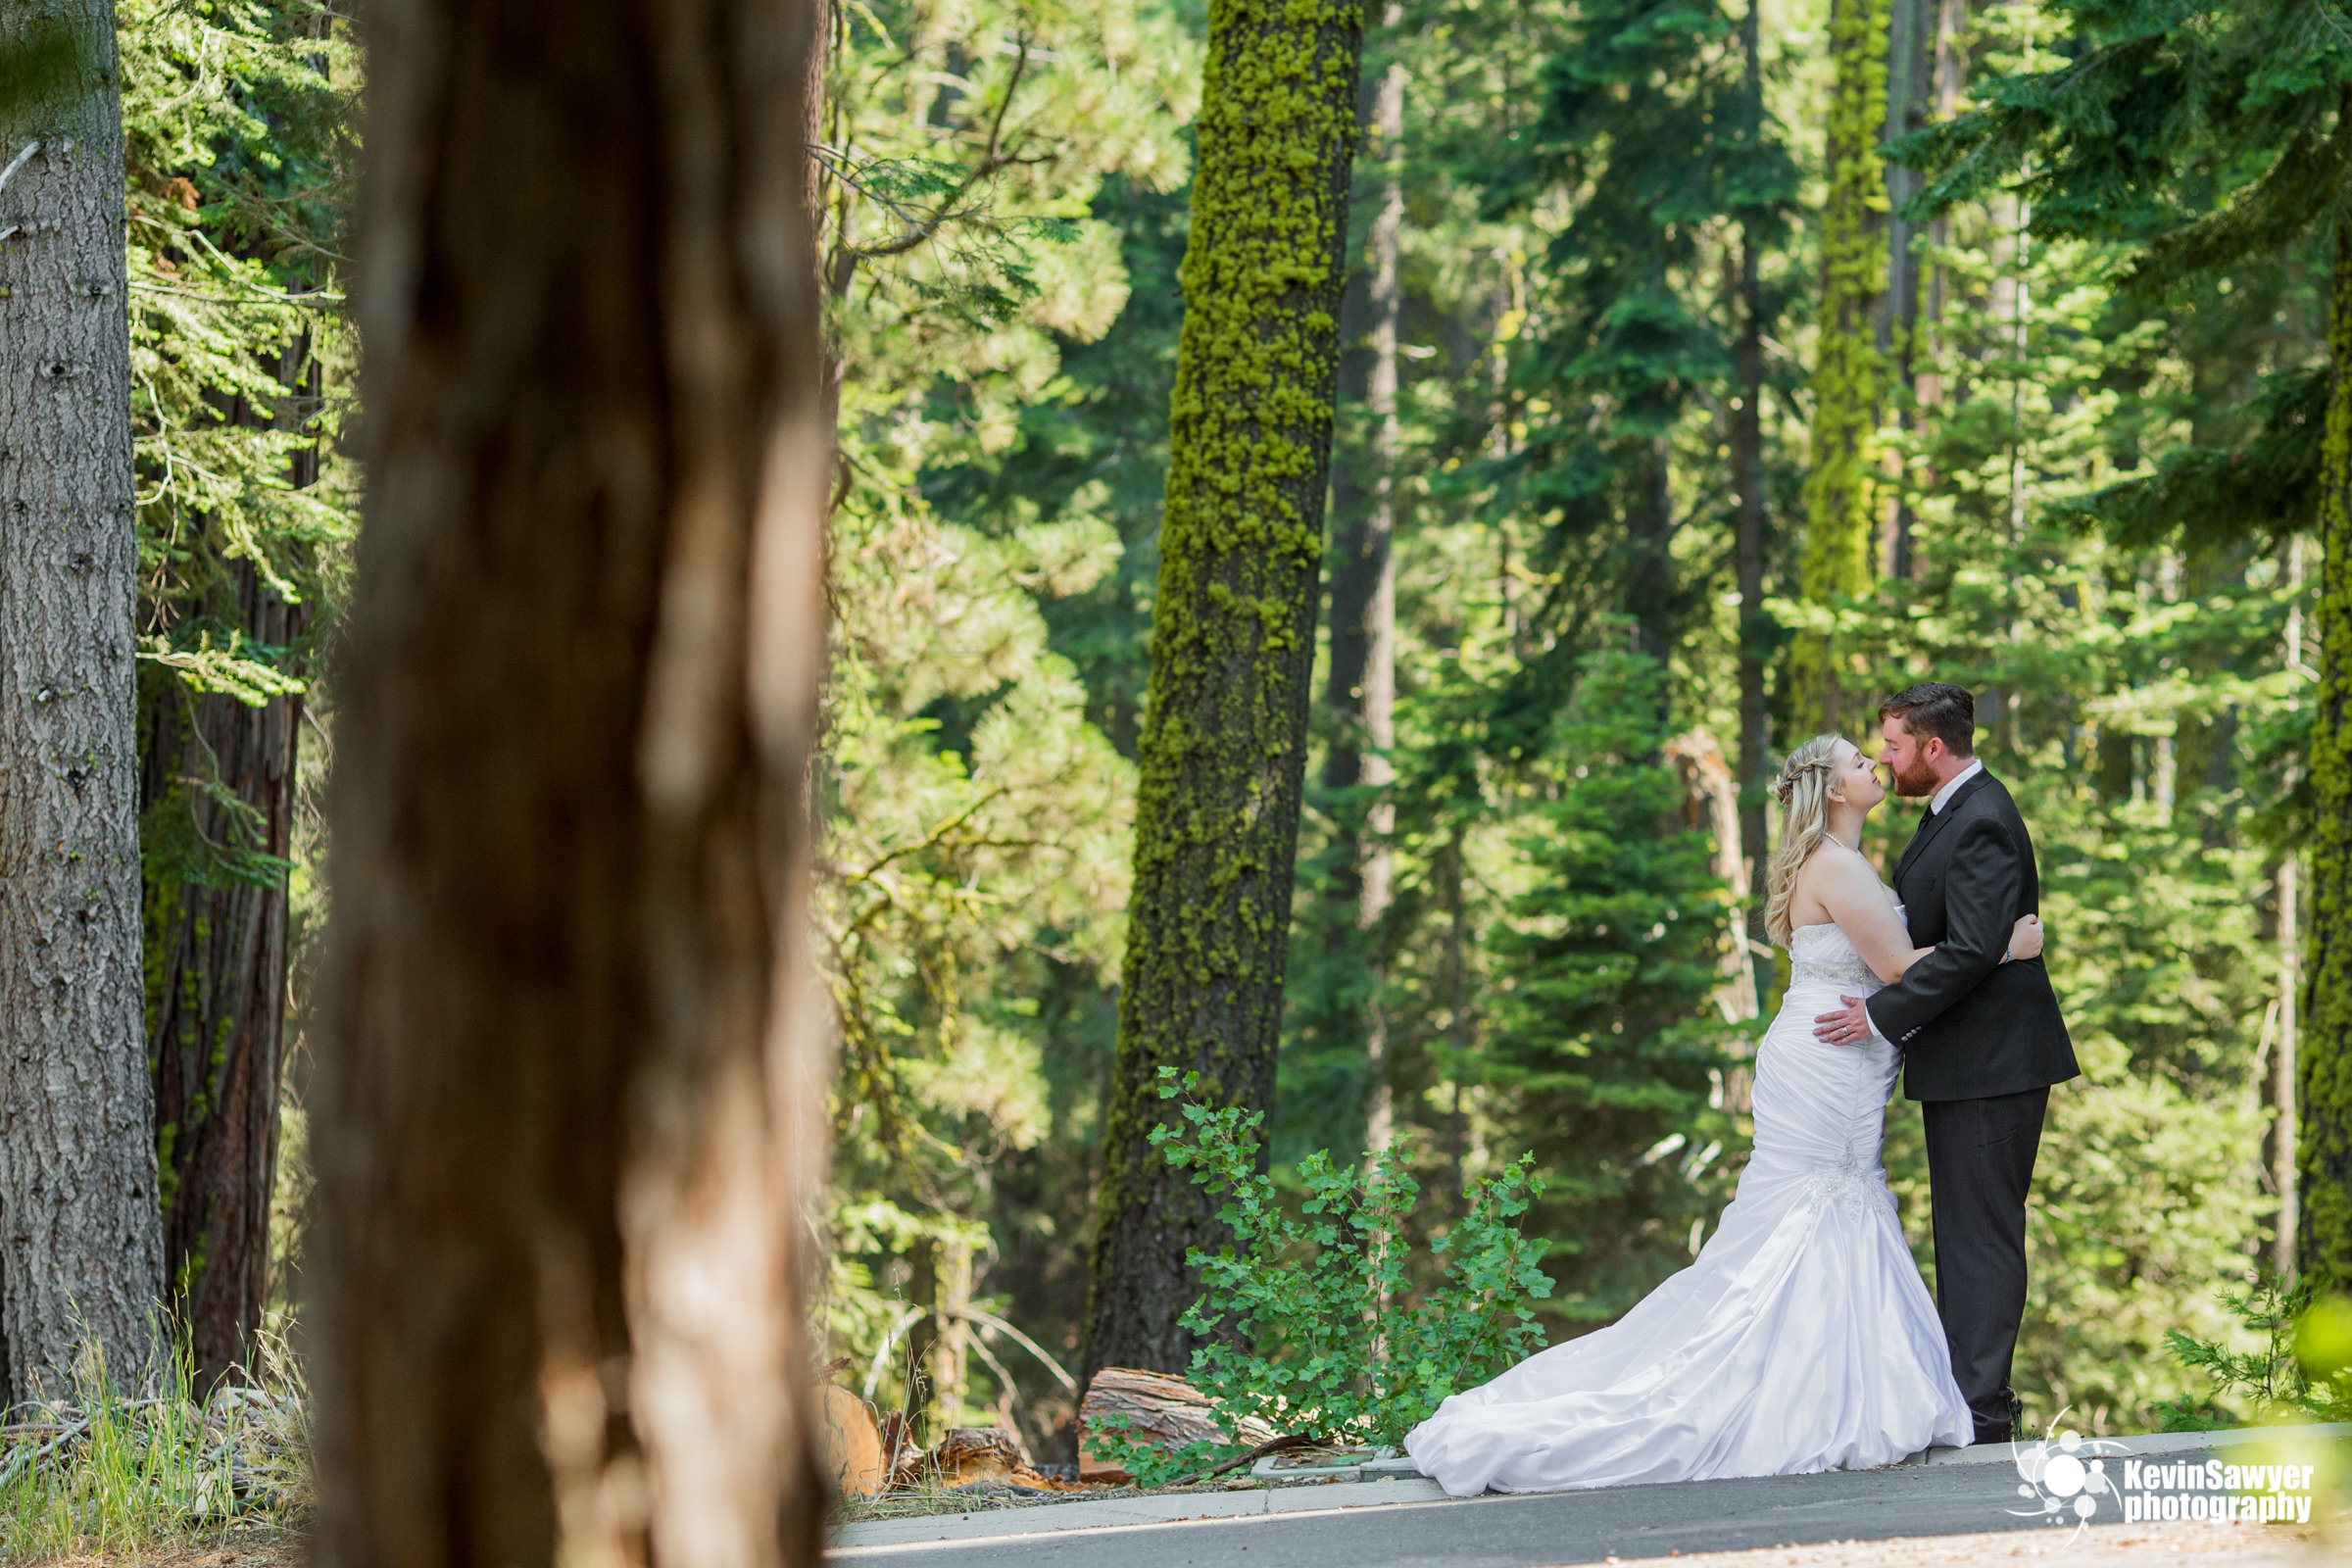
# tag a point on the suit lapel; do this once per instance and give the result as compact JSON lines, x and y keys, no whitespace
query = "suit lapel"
{"x":1934,"y":822}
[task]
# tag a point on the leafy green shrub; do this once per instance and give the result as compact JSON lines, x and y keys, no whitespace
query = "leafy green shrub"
{"x":2300,"y":1369}
{"x":1313,"y":1323}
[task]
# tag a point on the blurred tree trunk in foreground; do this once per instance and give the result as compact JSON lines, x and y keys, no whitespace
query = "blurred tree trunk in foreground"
{"x":570,"y":1065}
{"x":80,"y":1251}
{"x":1233,"y":639}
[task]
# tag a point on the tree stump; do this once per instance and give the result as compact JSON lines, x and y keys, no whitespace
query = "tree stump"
{"x":852,"y":1444}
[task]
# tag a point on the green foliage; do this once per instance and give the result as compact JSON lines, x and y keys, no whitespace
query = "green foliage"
{"x":1648,"y":133}
{"x":2299,"y":1366}
{"x":1317,"y":1318}
{"x":976,"y":812}
{"x":2125,"y":690}
{"x":237,"y":117}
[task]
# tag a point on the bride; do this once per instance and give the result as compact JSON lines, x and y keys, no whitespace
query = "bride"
{"x":1801,"y":1339}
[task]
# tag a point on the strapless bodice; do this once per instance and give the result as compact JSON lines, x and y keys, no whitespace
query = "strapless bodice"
{"x":1822,"y":955}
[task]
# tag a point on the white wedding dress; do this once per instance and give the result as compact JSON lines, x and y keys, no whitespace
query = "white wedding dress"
{"x":1801,"y":1339}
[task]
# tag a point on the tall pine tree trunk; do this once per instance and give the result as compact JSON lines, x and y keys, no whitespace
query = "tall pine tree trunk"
{"x":1756,"y":629}
{"x":1842,"y":493}
{"x":2324,"y":1065}
{"x":80,"y":1251}
{"x":1223,"y":750}
{"x":1911,"y":62}
{"x":570,"y":1086}
{"x":1362,"y":694}
{"x":217,"y":955}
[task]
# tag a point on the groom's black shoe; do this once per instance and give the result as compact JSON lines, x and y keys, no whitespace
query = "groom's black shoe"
{"x":2003,"y":1431}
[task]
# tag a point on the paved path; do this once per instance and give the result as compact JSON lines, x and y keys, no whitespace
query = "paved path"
{"x":1558,"y":1528}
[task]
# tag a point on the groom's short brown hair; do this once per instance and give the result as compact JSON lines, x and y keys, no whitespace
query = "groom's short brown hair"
{"x":1931,"y":708}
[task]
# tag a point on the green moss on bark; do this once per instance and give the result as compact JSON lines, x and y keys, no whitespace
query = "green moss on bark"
{"x":1841,"y":492}
{"x":1223,"y":744}
{"x":2323,"y":1065}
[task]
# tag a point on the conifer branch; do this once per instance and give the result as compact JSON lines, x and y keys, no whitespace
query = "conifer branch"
{"x":2305,"y":182}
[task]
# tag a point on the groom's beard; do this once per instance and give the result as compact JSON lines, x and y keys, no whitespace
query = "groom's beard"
{"x":1918,"y":782}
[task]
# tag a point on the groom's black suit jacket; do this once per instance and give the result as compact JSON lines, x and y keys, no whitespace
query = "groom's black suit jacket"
{"x":1971,"y":1026}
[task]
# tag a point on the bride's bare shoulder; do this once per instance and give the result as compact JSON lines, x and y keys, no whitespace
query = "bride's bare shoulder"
{"x":1834,"y":874}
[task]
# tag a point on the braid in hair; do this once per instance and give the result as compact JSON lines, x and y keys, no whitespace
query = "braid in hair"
{"x":1804,"y":791}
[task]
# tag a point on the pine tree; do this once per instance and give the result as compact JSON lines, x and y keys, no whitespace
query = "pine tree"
{"x":1602,"y":1051}
{"x":1651,"y":128}
{"x":1841,"y":494}
{"x":1224,"y":744}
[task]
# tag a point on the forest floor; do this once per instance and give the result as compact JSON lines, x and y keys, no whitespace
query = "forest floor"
{"x":914,"y":1503}
{"x":255,"y":1549}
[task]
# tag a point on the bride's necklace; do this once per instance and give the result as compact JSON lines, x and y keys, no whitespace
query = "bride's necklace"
{"x":1856,"y":846}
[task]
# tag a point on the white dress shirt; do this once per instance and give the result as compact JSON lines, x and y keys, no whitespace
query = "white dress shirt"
{"x":1951,"y":787}
{"x":1936,"y":805}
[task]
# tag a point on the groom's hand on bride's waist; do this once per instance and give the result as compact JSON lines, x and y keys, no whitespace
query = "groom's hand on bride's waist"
{"x":1851,"y":1027}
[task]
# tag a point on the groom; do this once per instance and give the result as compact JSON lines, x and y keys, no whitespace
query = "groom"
{"x":1982,"y":1039}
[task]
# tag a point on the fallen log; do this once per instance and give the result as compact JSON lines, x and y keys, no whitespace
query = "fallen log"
{"x":1159,"y":1409}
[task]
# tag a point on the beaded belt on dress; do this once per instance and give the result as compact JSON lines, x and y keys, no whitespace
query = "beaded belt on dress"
{"x":1821,"y":973}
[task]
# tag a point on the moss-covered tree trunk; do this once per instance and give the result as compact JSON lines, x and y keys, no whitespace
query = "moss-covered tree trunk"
{"x":2324,"y":1070}
{"x":1842,"y":493}
{"x":1223,"y":748}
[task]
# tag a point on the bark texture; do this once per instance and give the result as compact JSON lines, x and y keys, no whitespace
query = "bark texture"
{"x":2323,"y":1095}
{"x":80,"y":1251}
{"x":1223,"y":747}
{"x":216,"y":958}
{"x":570,"y":1068}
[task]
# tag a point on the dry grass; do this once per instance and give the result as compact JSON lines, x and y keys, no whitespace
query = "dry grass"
{"x":110,"y":1472}
{"x":236,"y":1548}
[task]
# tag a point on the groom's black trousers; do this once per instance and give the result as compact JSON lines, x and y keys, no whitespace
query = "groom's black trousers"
{"x":1981,"y":1165}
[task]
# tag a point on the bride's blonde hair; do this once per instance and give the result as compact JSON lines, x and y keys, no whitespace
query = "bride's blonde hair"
{"x":1804,"y":791}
